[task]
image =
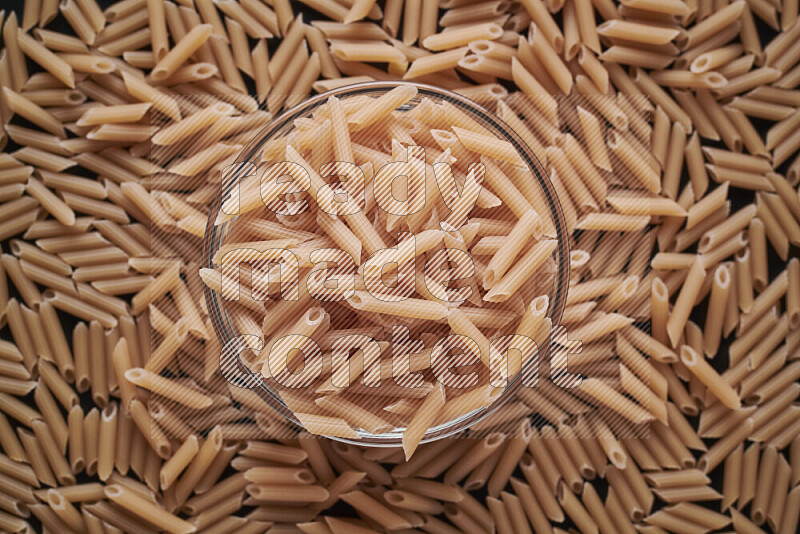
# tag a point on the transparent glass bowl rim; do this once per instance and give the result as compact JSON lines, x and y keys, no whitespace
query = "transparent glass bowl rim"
{"x":215,"y":235}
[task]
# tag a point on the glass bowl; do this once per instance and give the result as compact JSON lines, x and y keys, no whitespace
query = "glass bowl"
{"x":292,"y":122}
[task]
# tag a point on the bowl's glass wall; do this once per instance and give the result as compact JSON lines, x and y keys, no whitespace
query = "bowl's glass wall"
{"x":282,"y":126}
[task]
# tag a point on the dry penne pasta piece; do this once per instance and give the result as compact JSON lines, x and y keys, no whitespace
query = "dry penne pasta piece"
{"x":284,"y":493}
{"x":613,"y":399}
{"x":366,"y":51}
{"x":107,"y":436}
{"x":706,"y":80}
{"x":486,"y":65}
{"x":635,"y":57}
{"x":527,"y":226}
{"x":638,"y":205}
{"x":462,"y":36}
{"x":670,"y":7}
{"x":380,"y":106}
{"x":141,"y":507}
{"x":720,"y":290}
{"x":593,"y":136}
{"x":428,"y":411}
{"x":676,"y":479}
{"x":46,"y":59}
{"x":613,"y":222}
{"x":354,"y":414}
{"x":179,"y":130}
{"x":175,"y":58}
{"x":637,"y":32}
{"x":761,"y":109}
{"x":700,"y":368}
{"x":683,"y":306}
{"x":522,"y":271}
{"x":78,"y":21}
{"x":140,"y":90}
{"x":158,"y":287}
{"x":22,"y":106}
{"x":275,"y":453}
{"x":374,"y":510}
{"x":251,"y":22}
{"x":113,"y":114}
{"x":637,"y":165}
{"x":705,"y":29}
{"x":168,"y":388}
{"x":474,"y":456}
{"x":52,"y":452}
{"x":54,"y":205}
{"x":488,"y":146}
{"x":87,"y":63}
{"x":790,"y":518}
{"x":417,"y":308}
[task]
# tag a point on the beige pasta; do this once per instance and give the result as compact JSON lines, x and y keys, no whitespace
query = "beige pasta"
{"x":720,"y":290}
{"x":145,"y":509}
{"x":18,"y":104}
{"x":175,"y":58}
{"x":46,"y":59}
{"x":462,"y":36}
{"x":688,"y":294}
{"x":427,"y":413}
{"x":122,"y":133}
{"x":705,"y":373}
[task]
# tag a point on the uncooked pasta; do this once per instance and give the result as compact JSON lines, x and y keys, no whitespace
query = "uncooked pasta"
{"x":545,"y":253}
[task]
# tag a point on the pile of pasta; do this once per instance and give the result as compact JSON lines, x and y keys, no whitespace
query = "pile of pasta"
{"x":668,"y":130}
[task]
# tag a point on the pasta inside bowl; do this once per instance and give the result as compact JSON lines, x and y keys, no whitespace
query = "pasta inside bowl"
{"x":383,"y":264}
